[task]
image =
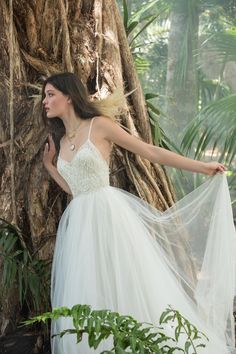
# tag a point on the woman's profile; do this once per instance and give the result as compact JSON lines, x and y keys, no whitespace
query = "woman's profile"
{"x":113,"y":250}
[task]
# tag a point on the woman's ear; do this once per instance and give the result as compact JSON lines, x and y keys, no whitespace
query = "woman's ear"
{"x":69,"y":100}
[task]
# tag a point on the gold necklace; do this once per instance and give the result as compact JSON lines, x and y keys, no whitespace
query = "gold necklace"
{"x":70,"y":136}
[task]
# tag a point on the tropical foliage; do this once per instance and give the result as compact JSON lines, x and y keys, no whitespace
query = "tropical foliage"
{"x":22,"y":269}
{"x":129,"y":335}
{"x":209,"y":41}
{"x":135,"y":24}
{"x":216,"y":121}
{"x":218,"y":34}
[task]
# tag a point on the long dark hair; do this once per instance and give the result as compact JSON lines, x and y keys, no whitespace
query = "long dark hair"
{"x":70,"y":84}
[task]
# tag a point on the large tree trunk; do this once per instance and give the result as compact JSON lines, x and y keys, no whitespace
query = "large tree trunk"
{"x":182,"y":88}
{"x":87,"y":37}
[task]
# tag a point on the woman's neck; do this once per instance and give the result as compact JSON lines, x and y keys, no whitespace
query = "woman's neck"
{"x":71,"y":122}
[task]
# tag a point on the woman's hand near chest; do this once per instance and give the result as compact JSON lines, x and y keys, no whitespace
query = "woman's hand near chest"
{"x":48,"y":158}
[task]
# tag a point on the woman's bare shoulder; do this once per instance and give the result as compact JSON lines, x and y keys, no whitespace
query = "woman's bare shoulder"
{"x":114,"y":133}
{"x":104,"y":124}
{"x":103,"y":120}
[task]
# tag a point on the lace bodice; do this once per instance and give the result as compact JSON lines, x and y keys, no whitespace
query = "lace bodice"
{"x":87,"y":171}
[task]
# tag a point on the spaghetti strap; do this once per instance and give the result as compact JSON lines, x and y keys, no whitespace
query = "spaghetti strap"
{"x":90,"y":127}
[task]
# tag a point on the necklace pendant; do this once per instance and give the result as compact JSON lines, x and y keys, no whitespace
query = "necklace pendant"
{"x":72,"y":147}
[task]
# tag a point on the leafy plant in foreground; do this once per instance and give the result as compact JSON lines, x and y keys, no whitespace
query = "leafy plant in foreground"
{"x":129,"y":336}
{"x":31,"y":275}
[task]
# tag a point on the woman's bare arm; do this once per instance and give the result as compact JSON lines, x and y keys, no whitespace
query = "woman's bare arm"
{"x":113,"y":132}
{"x":48,"y":156}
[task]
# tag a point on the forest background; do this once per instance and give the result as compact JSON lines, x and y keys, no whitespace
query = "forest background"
{"x":185,"y":55}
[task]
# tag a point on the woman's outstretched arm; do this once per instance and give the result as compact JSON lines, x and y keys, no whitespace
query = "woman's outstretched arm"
{"x":48,"y":156}
{"x":113,"y":132}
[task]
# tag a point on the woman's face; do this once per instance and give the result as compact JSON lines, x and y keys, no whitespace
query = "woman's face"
{"x":55,"y":102}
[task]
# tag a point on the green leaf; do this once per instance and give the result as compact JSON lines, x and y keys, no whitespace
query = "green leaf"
{"x":164,"y":314}
{"x":13,"y":271}
{"x":141,"y":348}
{"x":167,"y":319}
{"x":153,"y":108}
{"x":131,"y":27}
{"x":152,"y":18}
{"x":223,"y":45}
{"x":20,"y":282}
{"x":201,"y":346}
{"x":79,"y":337}
{"x":9,"y":244}
{"x":130,"y":334}
{"x":16,"y":253}
{"x":172,"y":350}
{"x":187,"y":346}
{"x":98,"y":323}
{"x":25,"y":257}
{"x":212,"y":127}
{"x":177,"y":333}
{"x":90,"y":325}
{"x":141,"y":64}
{"x":120,"y":350}
{"x":149,"y":96}
{"x":137,"y":15}
{"x":125,"y":15}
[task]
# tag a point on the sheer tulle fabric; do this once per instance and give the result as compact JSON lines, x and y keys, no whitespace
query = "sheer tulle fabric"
{"x":115,"y":251}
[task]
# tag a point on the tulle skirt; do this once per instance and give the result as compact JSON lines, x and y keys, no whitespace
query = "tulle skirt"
{"x":114,"y":251}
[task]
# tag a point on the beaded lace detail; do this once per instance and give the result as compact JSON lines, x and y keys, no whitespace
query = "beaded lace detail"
{"x":87,"y":171}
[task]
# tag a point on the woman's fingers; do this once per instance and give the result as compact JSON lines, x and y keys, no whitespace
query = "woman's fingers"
{"x":216,"y":167}
{"x":45,"y":149}
{"x":51,"y":141}
{"x":221,"y":168}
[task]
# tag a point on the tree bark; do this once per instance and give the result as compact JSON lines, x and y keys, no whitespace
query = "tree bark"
{"x":49,"y":36}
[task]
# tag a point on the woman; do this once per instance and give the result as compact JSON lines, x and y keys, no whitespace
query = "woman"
{"x":115,"y":251}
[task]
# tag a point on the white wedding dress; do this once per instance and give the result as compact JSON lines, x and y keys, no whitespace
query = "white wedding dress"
{"x":114,"y":251}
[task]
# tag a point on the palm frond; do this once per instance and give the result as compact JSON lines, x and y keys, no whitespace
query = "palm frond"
{"x":31,"y":275}
{"x":139,"y":17}
{"x":159,"y":136}
{"x":136,"y":17}
{"x":211,"y":90}
{"x":141,"y":64}
{"x":223,"y":44}
{"x":215,"y":128}
{"x":149,"y":20}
